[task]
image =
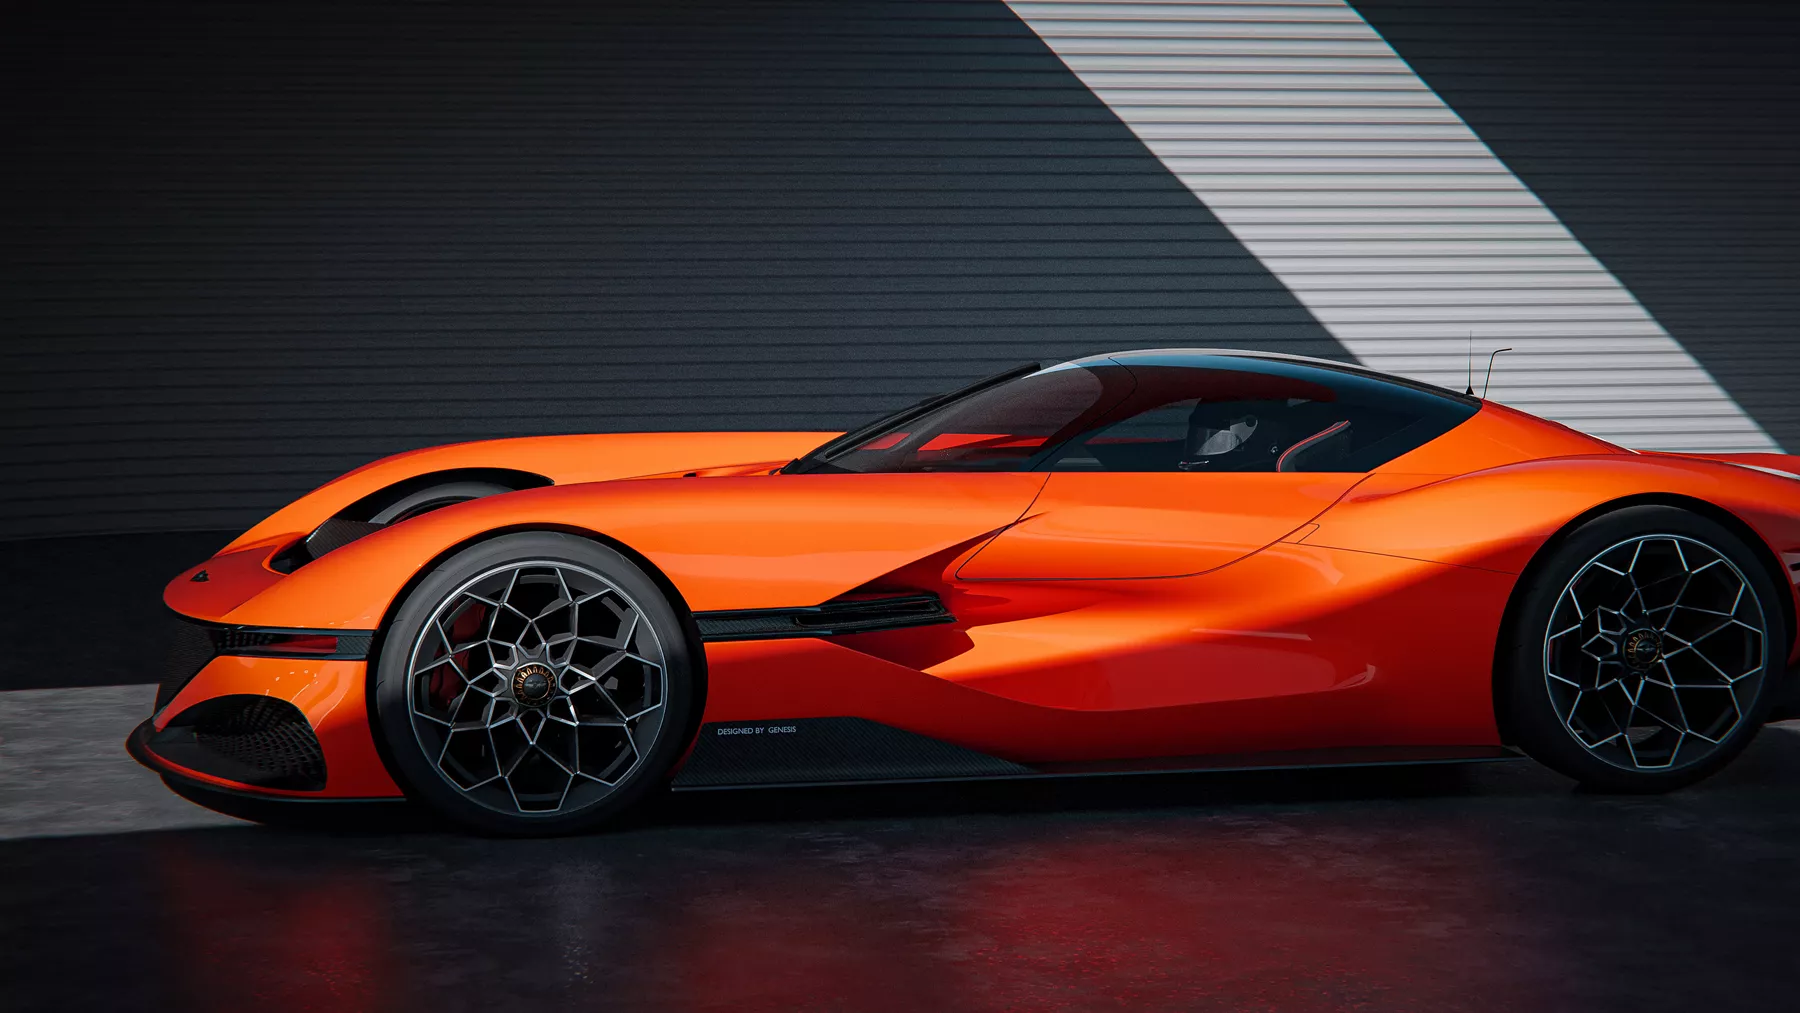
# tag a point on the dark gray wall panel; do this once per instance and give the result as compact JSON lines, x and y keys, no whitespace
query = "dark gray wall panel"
{"x":249,"y":246}
{"x":1342,"y":171}
{"x":1664,"y":135}
{"x":106,"y":587}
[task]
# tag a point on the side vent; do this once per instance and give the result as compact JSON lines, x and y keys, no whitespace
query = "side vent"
{"x":333,"y":534}
{"x":835,"y":618}
{"x":402,"y":501}
{"x":337,"y":533}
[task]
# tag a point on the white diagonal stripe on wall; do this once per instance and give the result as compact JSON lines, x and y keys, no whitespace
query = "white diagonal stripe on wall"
{"x":1384,"y":214}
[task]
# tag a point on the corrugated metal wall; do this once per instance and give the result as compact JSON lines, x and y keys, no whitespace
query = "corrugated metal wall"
{"x":1666,"y":135}
{"x":250,"y":246}
{"x":1384,"y":213}
{"x":247,"y":247}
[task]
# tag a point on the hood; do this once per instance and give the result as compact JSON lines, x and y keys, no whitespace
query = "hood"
{"x":540,"y":461}
{"x":251,"y":562}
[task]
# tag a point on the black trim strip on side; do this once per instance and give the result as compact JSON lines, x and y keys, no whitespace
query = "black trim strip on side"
{"x":815,"y":750}
{"x":828,"y":620}
{"x":836,"y":752}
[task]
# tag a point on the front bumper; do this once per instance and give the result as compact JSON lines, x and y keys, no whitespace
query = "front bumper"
{"x":310,"y":809}
{"x":268,"y":725}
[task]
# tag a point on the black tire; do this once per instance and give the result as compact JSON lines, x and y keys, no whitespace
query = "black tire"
{"x":427,"y":708}
{"x":1703,"y":681}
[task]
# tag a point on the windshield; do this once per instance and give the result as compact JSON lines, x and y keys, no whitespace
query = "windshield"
{"x":1177,"y":411}
{"x":1000,"y":428}
{"x":815,"y":459}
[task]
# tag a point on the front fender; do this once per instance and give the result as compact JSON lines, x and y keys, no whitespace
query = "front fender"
{"x":724,"y":543}
{"x":565,"y":460}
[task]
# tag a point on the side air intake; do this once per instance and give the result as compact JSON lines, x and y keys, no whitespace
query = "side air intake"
{"x":254,"y":740}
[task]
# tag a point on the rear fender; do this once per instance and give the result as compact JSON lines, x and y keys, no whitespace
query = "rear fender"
{"x":1502,"y":518}
{"x":1498,"y":519}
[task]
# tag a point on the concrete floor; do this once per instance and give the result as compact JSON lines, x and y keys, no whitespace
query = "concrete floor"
{"x":1470,"y":888}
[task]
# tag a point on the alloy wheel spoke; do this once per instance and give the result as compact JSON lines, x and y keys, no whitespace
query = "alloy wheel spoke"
{"x":566,"y":746}
{"x":1659,"y":625}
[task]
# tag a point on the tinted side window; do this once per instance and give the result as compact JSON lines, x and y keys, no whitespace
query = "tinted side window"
{"x":1277,"y":416}
{"x":1006,"y":428}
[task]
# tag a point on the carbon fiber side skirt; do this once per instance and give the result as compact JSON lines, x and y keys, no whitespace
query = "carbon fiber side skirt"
{"x":843,"y":750}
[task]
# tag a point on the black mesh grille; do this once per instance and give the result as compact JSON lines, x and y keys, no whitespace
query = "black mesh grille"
{"x":191,"y":646}
{"x":255,"y":740}
{"x":269,"y":735}
{"x":233,"y":641}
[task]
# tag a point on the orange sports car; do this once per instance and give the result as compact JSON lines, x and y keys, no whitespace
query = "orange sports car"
{"x":1154,"y":560}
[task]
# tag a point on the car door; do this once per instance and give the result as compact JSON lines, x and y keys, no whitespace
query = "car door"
{"x":1100,"y":527}
{"x":1181,"y":467}
{"x":1193,"y":470}
{"x":1141,"y":579}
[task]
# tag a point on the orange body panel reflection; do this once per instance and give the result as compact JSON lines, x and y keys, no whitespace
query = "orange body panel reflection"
{"x":1154,"y":524}
{"x":1097,"y":616}
{"x":1158,"y":668}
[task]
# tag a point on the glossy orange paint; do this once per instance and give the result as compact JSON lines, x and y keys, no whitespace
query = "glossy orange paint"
{"x":725,"y":543}
{"x":1496,"y":436}
{"x":225,"y":581}
{"x":1275,"y":652}
{"x":1097,"y":616}
{"x":1497,"y":519}
{"x":565,"y":460}
{"x":1094,"y":526}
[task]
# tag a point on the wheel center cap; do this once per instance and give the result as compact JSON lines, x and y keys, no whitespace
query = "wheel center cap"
{"x":531,"y":684}
{"x":1641,"y":649}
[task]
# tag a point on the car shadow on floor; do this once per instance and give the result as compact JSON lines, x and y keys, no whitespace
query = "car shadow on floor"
{"x":1483,"y":887}
{"x":1772,"y":764}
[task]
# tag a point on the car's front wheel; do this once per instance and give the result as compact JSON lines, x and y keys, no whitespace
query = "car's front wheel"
{"x":1644,"y":653}
{"x":536,"y":683}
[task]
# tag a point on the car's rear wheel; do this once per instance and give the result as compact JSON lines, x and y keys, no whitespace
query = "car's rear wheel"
{"x":537,"y":683}
{"x":1644,"y":653}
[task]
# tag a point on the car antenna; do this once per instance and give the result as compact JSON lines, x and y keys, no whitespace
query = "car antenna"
{"x":1470,"y":389}
{"x":1490,"y":373}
